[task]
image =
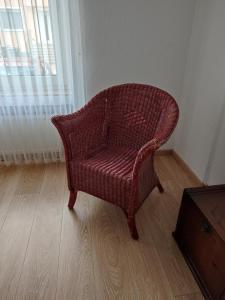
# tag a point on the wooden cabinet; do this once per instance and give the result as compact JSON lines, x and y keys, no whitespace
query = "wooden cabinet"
{"x":200,"y":234}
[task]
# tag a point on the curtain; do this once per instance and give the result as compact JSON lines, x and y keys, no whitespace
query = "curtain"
{"x":40,"y":75}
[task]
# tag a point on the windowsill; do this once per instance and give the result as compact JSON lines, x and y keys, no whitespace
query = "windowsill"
{"x":6,"y":97}
{"x":40,"y":110}
{"x":27,"y":96}
{"x":12,"y":30}
{"x":41,"y":105}
{"x":30,"y":76}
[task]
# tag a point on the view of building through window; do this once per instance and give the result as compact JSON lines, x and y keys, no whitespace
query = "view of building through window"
{"x":26,"y":41}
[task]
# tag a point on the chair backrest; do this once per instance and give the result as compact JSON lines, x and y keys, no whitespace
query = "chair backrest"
{"x":137,"y":112}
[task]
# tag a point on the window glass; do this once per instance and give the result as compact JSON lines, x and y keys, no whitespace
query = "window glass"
{"x":26,"y":40}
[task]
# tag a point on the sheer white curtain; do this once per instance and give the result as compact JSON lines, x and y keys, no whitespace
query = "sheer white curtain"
{"x":40,"y":75}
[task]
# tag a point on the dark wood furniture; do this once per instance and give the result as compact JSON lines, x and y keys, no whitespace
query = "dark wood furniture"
{"x":200,"y":235}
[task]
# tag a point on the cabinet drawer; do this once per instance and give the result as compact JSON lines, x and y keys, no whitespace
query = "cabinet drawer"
{"x":203,"y":247}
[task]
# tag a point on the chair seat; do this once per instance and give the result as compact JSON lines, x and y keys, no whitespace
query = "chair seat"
{"x":107,"y":174}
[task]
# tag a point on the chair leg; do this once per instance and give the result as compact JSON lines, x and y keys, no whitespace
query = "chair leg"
{"x":160,"y":187}
{"x":72,"y":199}
{"x":132,"y":227}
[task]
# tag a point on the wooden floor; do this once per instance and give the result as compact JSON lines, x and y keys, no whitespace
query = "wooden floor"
{"x":48,"y":252}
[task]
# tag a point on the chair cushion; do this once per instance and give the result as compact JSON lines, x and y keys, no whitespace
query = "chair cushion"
{"x":107,"y":174}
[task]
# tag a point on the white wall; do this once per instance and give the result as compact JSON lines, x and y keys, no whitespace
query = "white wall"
{"x":135,"y":41}
{"x":216,"y":169}
{"x":142,"y":41}
{"x":203,"y":98}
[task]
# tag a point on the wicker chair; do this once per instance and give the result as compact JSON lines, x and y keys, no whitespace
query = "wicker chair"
{"x":110,"y":144}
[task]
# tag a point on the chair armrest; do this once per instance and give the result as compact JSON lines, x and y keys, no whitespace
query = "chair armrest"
{"x":166,"y":125}
{"x":143,"y":167}
{"x":146,"y":150}
{"x":84,"y":131}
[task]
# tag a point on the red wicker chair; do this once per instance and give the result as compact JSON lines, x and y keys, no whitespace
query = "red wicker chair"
{"x":110,"y":144}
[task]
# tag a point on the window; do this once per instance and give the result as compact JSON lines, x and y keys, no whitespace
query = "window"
{"x":26,"y":41}
{"x":40,"y":63}
{"x":11,"y":19}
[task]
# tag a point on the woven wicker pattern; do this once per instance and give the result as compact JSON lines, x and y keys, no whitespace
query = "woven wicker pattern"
{"x":106,"y":175}
{"x":110,"y":144}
